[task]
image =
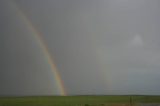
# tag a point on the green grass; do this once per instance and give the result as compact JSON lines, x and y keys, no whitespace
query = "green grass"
{"x":146,"y":99}
{"x":76,"y":100}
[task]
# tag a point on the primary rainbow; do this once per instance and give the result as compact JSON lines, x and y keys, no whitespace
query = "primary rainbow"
{"x":45,"y":50}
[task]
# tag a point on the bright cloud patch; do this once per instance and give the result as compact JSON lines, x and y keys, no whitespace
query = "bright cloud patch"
{"x":137,"y":41}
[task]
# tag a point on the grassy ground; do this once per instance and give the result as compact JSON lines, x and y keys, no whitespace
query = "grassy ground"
{"x":78,"y":100}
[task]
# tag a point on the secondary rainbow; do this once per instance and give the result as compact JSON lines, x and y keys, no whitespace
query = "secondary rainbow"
{"x":38,"y":37}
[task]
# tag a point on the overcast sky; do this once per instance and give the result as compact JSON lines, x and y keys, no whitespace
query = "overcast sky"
{"x":99,"y":46}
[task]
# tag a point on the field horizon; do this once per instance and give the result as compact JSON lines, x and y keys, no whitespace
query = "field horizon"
{"x":81,"y":100}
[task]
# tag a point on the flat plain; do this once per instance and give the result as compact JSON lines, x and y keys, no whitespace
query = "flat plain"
{"x":81,"y":101}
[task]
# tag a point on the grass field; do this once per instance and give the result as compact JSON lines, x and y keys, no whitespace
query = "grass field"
{"x":78,"y":100}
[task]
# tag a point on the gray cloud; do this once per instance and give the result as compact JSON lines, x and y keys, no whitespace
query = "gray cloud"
{"x":100,"y":47}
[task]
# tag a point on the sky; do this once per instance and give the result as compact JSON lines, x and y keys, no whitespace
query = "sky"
{"x":99,"y":47}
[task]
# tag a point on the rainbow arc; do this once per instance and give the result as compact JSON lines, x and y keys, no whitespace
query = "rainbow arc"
{"x":38,"y":36}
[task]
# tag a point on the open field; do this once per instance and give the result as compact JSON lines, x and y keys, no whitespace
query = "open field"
{"x":81,"y":101}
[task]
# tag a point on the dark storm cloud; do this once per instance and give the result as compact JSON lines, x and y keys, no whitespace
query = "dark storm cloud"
{"x":99,"y":46}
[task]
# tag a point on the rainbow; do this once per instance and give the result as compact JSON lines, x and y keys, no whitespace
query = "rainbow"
{"x":41,"y":42}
